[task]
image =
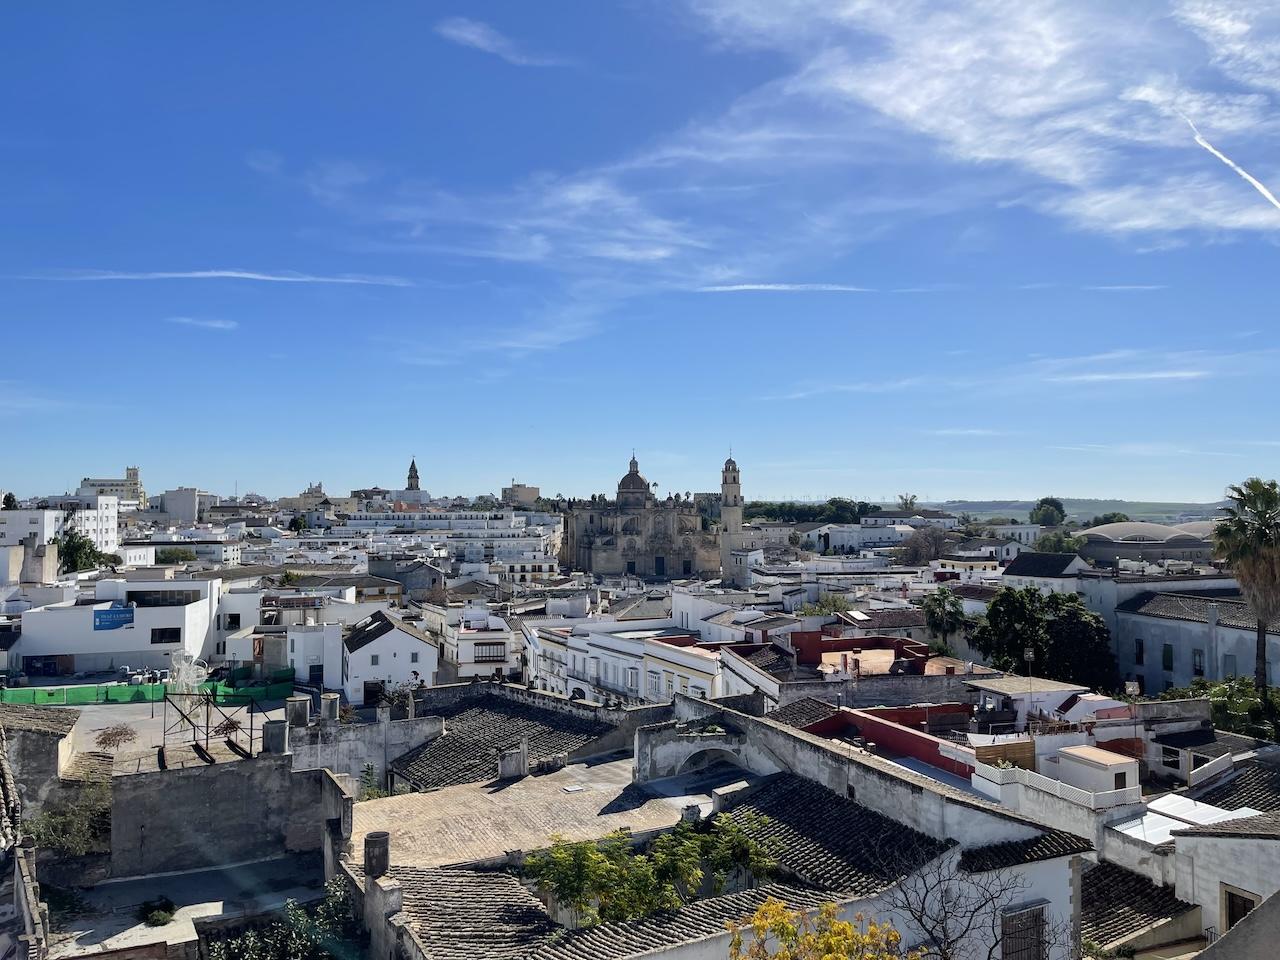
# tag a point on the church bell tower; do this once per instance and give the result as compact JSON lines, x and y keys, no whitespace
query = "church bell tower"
{"x":730,"y":520}
{"x":413,"y":475}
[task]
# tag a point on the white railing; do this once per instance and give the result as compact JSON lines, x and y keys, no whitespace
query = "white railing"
{"x":953,"y":751}
{"x":1065,"y":791}
{"x":1211,"y":769}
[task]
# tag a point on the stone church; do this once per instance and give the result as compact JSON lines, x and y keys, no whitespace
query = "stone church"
{"x":638,"y":534}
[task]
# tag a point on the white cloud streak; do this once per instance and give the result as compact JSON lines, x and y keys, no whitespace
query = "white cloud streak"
{"x":203,"y":324}
{"x":1120,"y":376}
{"x":480,"y":36}
{"x":1243,"y":173}
{"x":784,"y":288}
{"x":288,"y":277}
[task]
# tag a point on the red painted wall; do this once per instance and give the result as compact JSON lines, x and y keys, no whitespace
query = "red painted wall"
{"x":894,"y":738}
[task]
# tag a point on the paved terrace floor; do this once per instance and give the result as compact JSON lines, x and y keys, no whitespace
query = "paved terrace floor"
{"x":479,"y":821}
{"x":105,"y":918}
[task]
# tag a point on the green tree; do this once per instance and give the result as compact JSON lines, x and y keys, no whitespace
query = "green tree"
{"x":298,"y":524}
{"x":329,"y":930}
{"x":1235,"y":705}
{"x":926,"y":544}
{"x":1069,"y":642}
{"x":370,"y":786}
{"x":1248,"y":539}
{"x":77,"y":825}
{"x":827,"y":604}
{"x":10,"y":501}
{"x":175,"y":555}
{"x":778,"y":933}
{"x":1114,"y":517}
{"x":943,"y":614}
{"x":78,"y":552}
{"x":1048,"y":512}
{"x":1058,"y":542}
{"x":907,"y":501}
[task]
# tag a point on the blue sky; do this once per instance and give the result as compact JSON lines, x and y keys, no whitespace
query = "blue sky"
{"x":967,"y":249}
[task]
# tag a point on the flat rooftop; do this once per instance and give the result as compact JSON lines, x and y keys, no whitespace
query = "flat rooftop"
{"x":481,"y":821}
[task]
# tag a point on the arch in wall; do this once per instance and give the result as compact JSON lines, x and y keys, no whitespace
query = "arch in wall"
{"x":702,"y":759}
{"x":577,"y":693}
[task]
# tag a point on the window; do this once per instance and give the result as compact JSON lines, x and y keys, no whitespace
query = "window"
{"x":293,"y":642}
{"x":373,"y":660}
{"x":1121,"y":781}
{"x":233,"y":621}
{"x":1022,"y":934}
{"x":220,"y":648}
{"x":166,"y":634}
{"x":1236,"y":905}
{"x":1229,"y":665}
{"x":413,"y":657}
{"x":1166,"y":656}
{"x":1170,"y":757}
{"x":490,"y":653}
{"x":1139,"y":654}
{"x":1197,"y":662}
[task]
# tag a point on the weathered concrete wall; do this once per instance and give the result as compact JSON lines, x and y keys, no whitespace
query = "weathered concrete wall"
{"x":346,"y":747}
{"x":1156,"y":864}
{"x":196,"y":817}
{"x":36,"y":758}
{"x":1253,"y":937}
{"x":875,"y":691}
{"x":1206,"y":863}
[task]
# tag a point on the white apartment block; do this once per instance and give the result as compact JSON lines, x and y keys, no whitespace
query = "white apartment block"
{"x":95,"y":517}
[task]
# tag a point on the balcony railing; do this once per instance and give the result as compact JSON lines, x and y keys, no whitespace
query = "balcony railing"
{"x":1085,"y":798}
{"x":1211,"y":769}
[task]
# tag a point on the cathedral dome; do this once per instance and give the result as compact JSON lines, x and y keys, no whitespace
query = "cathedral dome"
{"x":633,"y":481}
{"x":731,"y":464}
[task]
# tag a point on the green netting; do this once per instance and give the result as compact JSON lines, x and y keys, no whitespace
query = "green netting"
{"x":80,"y":696}
{"x":242,"y":673}
{"x":281,"y":676}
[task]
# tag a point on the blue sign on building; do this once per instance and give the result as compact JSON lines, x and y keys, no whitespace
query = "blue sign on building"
{"x":113,"y":618}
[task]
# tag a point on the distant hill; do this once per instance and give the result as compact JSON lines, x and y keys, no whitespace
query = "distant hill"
{"x":1085,"y":510}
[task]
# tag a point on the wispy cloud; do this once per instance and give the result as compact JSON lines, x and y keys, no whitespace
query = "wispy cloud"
{"x":784,"y":288}
{"x":1125,"y":287}
{"x":480,"y":36}
{"x":1124,"y":375}
{"x":964,"y":432}
{"x":203,"y":324}
{"x":1130,"y":449}
{"x":285,"y":277}
{"x":872,"y":386}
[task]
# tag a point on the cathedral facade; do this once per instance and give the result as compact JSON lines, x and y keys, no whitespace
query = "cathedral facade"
{"x":638,"y":534}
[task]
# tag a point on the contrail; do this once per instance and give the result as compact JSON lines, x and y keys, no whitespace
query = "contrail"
{"x":1253,"y":181}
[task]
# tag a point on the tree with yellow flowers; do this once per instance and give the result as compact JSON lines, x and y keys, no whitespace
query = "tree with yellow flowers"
{"x":777,"y":933}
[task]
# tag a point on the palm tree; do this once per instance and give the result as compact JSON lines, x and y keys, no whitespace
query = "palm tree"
{"x":1248,"y":539}
{"x":943,"y":613}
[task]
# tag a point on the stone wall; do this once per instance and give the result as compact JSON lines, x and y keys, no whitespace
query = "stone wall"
{"x":36,"y":758}
{"x":345,"y":748}
{"x":198,"y":817}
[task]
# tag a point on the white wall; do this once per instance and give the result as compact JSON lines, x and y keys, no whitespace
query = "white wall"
{"x":395,"y":664}
{"x":1204,"y":864}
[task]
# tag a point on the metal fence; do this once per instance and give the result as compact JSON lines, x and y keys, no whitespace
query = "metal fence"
{"x":87,"y":695}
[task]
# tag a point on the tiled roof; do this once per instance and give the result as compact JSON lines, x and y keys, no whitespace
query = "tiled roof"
{"x":1256,"y":784}
{"x":477,"y":727}
{"x":378,"y":624}
{"x":699,"y":920}
{"x":890,"y":619}
{"x":56,"y":720}
{"x":1195,"y":608}
{"x":652,"y":607}
{"x":770,"y":659}
{"x":974,"y":591}
{"x":828,"y":841}
{"x":1032,"y":564}
{"x":800,"y":713}
{"x":1264,"y":826}
{"x":1211,"y":743}
{"x":469,"y":915}
{"x":1116,"y":903}
{"x":1046,"y":846}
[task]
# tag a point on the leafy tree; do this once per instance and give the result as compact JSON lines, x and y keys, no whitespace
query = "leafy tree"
{"x":75,"y":826}
{"x":835,"y":510}
{"x":1070,"y":643}
{"x":907,"y":501}
{"x":778,"y":933}
{"x":793,"y":538}
{"x":10,"y":501}
{"x":1248,"y":539}
{"x":1235,"y":705}
{"x":926,"y":544}
{"x":1058,"y":542}
{"x":370,"y":787}
{"x":605,"y":881}
{"x":1048,"y":512}
{"x":827,"y":604}
{"x":78,"y":552}
{"x":943,"y":614}
{"x":1114,"y":517}
{"x":175,"y":555}
{"x":330,"y":930}
{"x":298,"y":524}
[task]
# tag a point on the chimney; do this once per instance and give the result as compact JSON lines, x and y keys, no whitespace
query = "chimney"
{"x":1212,"y":611}
{"x":297,"y":709}
{"x":275,"y":737}
{"x":377,"y":854}
{"x":329,"y":703}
